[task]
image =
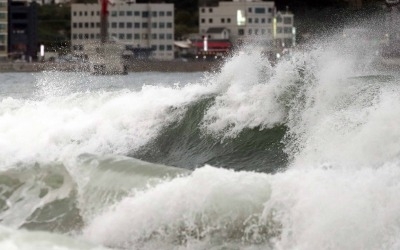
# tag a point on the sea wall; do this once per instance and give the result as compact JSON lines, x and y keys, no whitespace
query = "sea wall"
{"x":135,"y":66}
{"x":160,"y":66}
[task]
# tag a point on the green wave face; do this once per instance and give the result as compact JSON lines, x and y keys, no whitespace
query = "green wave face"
{"x":186,"y":144}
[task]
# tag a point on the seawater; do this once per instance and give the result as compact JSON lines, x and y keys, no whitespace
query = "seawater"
{"x":302,"y":154}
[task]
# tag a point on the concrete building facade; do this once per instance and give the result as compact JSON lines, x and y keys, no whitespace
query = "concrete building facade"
{"x":142,"y":26}
{"x":253,"y":20}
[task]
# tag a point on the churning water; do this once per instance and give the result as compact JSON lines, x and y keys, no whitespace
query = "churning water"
{"x":303,"y":154}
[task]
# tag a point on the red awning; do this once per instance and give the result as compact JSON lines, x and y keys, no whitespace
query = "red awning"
{"x":213,"y":44}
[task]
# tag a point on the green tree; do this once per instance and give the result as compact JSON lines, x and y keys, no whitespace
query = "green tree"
{"x":54,"y":26}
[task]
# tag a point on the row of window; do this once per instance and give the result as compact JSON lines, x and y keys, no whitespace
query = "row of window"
{"x":228,"y":20}
{"x":286,"y":20}
{"x":256,"y":32}
{"x":256,"y":10}
{"x":128,"y":36}
{"x":123,"y":25}
{"x":279,"y":30}
{"x":125,"y":13}
{"x":162,"y":47}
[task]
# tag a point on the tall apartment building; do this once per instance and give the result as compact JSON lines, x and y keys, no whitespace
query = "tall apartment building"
{"x":248,"y":19}
{"x":3,"y":30}
{"x":146,"y":26}
{"x":22,"y":29}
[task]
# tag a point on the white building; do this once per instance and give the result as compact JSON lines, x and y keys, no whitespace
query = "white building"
{"x":138,"y":25}
{"x":248,"y":19}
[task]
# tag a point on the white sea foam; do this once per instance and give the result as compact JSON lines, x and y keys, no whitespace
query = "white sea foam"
{"x":297,"y":209}
{"x":59,"y":127}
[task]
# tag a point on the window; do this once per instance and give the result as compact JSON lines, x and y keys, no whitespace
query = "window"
{"x":203,"y":10}
{"x":161,"y":25}
{"x":129,"y":13}
{"x":203,"y":20}
{"x":137,"y":25}
{"x":129,"y":36}
{"x":121,"y":36}
{"x":136,"y":36}
{"x":154,"y":25}
{"x":250,"y":31}
{"x":113,"y":25}
{"x":145,"y":25}
{"x":122,"y":13}
{"x":241,"y":18}
{"x":169,"y":13}
{"x":113,"y":13}
{"x":210,"y":10}
{"x":287,"y":30}
{"x":269,"y":20}
{"x":269,"y":10}
{"x":279,"y":30}
{"x":263,"y":32}
{"x":74,"y":36}
{"x":80,"y":36}
{"x":137,"y":13}
{"x":86,"y":25}
{"x":145,"y":36}
{"x":256,"y":20}
{"x":169,"y":36}
{"x":222,"y":20}
{"x":98,"y":13}
{"x":86,"y":36}
{"x":91,"y":36}
{"x":279,"y":19}
{"x":162,"y":47}
{"x":250,"y":20}
{"x":92,"y":13}
{"x":241,"y":32}
{"x":262,"y":20}
{"x":80,"y":25}
{"x":129,"y":25}
{"x":169,"y":47}
{"x":154,"y":47}
{"x":162,"y":13}
{"x":154,"y":13}
{"x":259,"y":10}
{"x":153,"y":36}
{"x":210,"y":20}
{"x":161,"y":36}
{"x":98,"y":36}
{"x":80,"y":13}
{"x":287,"y":20}
{"x":74,"y":13}
{"x":74,"y":25}
{"x":250,"y":10}
{"x":256,"y":32}
{"x":145,"y":14}
{"x":121,"y":25}
{"x":228,"y":20}
{"x":91,"y":25}
{"x":169,"y":25}
{"x":98,"y":25}
{"x":85,"y":13}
